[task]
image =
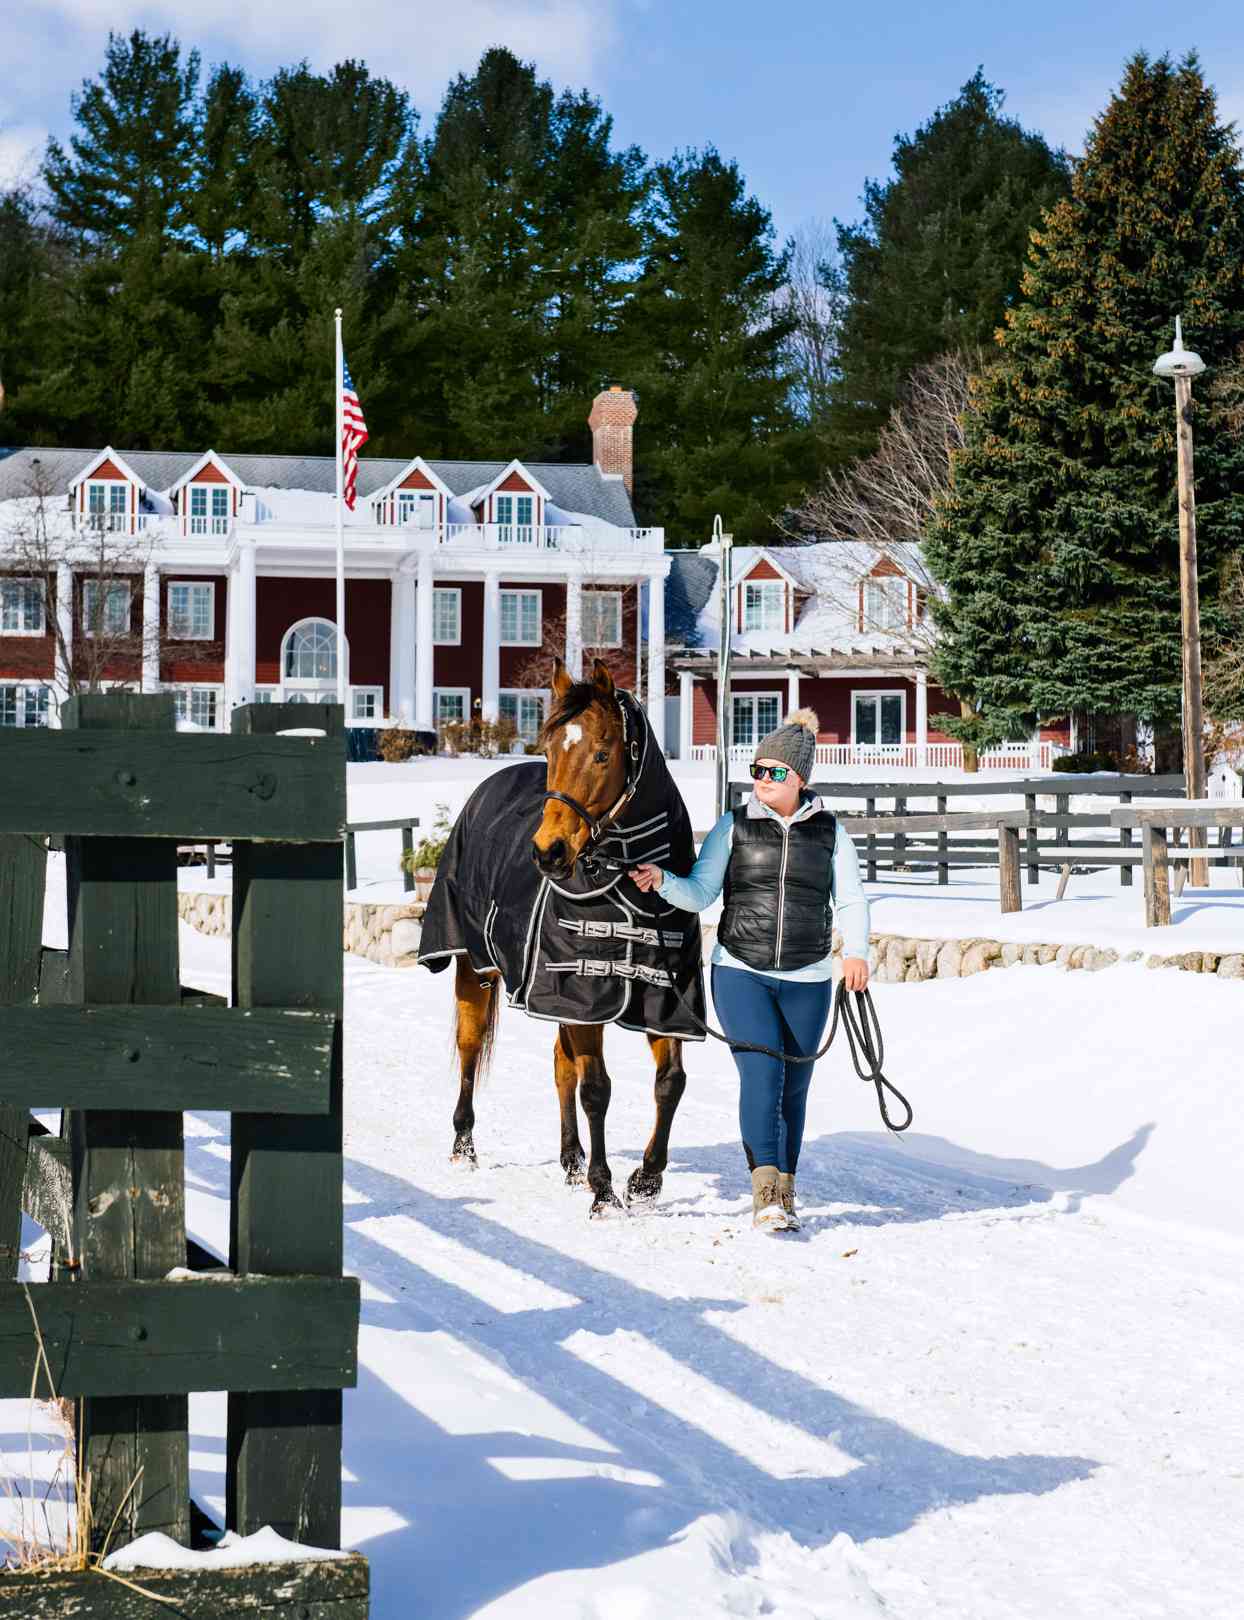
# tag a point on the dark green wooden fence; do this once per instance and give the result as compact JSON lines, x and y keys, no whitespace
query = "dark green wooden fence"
{"x":107,"y":1034}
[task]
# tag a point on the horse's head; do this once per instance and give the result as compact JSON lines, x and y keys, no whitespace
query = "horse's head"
{"x":583,"y":743}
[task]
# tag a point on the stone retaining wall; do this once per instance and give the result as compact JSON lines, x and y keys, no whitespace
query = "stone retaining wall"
{"x":389,"y":935}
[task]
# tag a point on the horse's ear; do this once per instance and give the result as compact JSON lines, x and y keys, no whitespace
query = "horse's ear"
{"x":562,"y":681}
{"x":602,"y":680}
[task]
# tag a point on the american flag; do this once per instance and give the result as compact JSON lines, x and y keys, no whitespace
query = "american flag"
{"x":353,"y":435}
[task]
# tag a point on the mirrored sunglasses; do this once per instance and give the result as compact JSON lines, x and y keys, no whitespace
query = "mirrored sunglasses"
{"x":775,"y":773}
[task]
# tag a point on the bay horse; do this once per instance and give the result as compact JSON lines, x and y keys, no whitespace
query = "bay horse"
{"x":583,"y":795}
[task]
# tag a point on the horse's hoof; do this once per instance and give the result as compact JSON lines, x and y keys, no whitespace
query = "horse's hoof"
{"x":643,"y":1187}
{"x":463,"y":1154}
{"x":606,"y":1206}
{"x":575,"y":1173}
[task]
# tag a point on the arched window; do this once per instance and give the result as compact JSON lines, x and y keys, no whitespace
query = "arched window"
{"x":309,"y":653}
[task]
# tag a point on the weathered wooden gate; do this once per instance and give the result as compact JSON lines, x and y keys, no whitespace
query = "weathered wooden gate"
{"x":113,"y":1040}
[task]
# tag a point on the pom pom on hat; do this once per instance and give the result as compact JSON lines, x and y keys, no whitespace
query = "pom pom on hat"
{"x":805,"y":717}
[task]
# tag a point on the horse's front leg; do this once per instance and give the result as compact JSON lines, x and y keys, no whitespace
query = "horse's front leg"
{"x":586,"y":1041}
{"x":567,"y":1078}
{"x":474,"y":1031}
{"x":671,"y":1082}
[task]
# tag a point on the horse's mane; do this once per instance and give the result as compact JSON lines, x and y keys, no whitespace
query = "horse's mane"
{"x":581,"y":696}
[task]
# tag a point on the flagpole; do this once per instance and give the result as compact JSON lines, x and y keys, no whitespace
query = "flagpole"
{"x":341,"y":543}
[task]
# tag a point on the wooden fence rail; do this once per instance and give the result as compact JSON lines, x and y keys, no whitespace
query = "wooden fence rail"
{"x":106,"y":1032}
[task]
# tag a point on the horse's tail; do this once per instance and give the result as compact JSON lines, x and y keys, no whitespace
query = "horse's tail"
{"x":478,"y":1003}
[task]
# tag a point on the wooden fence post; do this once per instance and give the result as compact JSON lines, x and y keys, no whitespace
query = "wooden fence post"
{"x":352,"y":870}
{"x":1125,"y":842}
{"x":1034,"y":866}
{"x":870,"y":809}
{"x":23,"y":863}
{"x":943,"y":845}
{"x":1157,"y":877}
{"x":408,"y":850}
{"x":900,"y":839}
{"x":128,"y":1176}
{"x":1008,"y":868}
{"x":284,"y":1448}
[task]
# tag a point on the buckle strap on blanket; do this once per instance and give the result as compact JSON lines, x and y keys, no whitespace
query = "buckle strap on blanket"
{"x":592,"y":967}
{"x":599,"y":928}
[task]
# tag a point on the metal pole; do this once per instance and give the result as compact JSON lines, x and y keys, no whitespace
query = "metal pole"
{"x":1193,"y":719}
{"x":724,"y":718}
{"x":341,"y":543}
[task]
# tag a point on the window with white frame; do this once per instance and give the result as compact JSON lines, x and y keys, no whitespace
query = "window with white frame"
{"x":885,"y":603}
{"x":106,"y":607}
{"x":21,"y":607}
{"x":878,"y":719}
{"x":209,"y":509}
{"x":515,"y":515}
{"x":755,"y":715}
{"x":197,"y":706}
{"x":602,"y":618}
{"x":192,"y":611}
{"x":447,"y":616}
{"x":520,"y":618}
{"x":22,"y":703}
{"x":108,"y":505}
{"x":764,"y":604}
{"x":450,"y":704}
{"x":310,"y":652}
{"x":366,"y":704}
{"x":525,"y":710}
{"x":415,"y":507}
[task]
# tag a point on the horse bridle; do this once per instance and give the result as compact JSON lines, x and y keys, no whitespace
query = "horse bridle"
{"x":598,"y":826}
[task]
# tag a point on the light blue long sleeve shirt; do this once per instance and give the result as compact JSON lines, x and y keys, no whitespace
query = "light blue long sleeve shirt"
{"x":707,"y":877}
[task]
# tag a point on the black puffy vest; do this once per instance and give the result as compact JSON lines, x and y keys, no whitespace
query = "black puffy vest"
{"x":779,"y":905}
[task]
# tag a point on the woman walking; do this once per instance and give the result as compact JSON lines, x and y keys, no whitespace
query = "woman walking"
{"x":786,"y":868}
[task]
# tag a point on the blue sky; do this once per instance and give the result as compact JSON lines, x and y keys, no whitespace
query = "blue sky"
{"x":806,"y":94}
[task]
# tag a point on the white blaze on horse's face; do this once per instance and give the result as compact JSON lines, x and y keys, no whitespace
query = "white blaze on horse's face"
{"x":574,"y":734}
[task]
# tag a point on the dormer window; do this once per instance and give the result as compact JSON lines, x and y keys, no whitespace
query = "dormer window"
{"x":108,"y":506}
{"x":415,"y":509}
{"x":764,"y":605}
{"x":885,"y":603}
{"x":515,"y":515}
{"x":209,"y":509}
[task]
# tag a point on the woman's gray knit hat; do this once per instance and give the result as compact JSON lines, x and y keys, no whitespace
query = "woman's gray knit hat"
{"x":794,"y":744}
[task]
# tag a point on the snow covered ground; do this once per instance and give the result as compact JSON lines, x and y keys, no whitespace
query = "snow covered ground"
{"x":996,"y":1375}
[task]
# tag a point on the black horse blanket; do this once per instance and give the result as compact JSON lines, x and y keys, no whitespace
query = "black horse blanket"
{"x":589,"y":949}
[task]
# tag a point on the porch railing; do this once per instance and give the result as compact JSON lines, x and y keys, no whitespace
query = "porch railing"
{"x":904,"y":756}
{"x":571,"y":537}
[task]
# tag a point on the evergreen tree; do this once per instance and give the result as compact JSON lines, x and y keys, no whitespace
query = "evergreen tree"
{"x":1058,"y":546}
{"x":131,"y":162}
{"x":223,"y":196}
{"x":707,"y":341}
{"x":938,"y":256}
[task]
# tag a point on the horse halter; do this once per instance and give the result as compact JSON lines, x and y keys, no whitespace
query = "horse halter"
{"x":598,"y":826}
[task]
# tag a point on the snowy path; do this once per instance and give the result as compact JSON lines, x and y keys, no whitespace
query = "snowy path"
{"x":996,"y":1374}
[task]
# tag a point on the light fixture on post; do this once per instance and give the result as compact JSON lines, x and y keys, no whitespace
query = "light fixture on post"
{"x":1181,"y":365}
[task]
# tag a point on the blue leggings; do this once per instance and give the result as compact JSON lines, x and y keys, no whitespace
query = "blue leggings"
{"x":773,"y":1096}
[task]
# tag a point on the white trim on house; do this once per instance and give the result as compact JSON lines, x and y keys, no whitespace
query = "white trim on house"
{"x":39,"y":589}
{"x":373,"y":696}
{"x":107,"y":454}
{"x":519,"y":693}
{"x":516,"y":466}
{"x":184,"y":694}
{"x":521,"y":641}
{"x":753,"y":700}
{"x":302,"y":683}
{"x":438,"y":692}
{"x":418,"y":465}
{"x":209,"y":458}
{"x":89,"y":588}
{"x":879,"y":692}
{"x":776,"y":587}
{"x":443,"y":591}
{"x":43,"y":708}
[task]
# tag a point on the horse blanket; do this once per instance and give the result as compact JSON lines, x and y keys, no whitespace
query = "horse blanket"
{"x":588,"y":949}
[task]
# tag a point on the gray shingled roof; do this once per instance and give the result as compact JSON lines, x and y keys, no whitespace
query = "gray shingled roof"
{"x":692,"y":579}
{"x":573,"y":486}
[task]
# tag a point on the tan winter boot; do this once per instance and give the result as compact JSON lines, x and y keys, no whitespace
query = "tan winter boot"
{"x":786,"y":1189}
{"x":767,"y":1211}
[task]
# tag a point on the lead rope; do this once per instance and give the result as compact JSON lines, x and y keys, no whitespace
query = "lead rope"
{"x":863,"y":1041}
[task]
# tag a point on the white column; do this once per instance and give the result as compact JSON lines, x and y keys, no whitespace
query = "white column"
{"x":922,"y":717}
{"x":151,"y":628}
{"x":242,"y":624}
{"x":423,"y":644}
{"x":792,"y":690}
{"x":402,"y":659}
{"x":686,"y":706}
{"x":639,"y":641}
{"x":491,"y":676}
{"x":64,"y":639}
{"x":574,"y":627}
{"x":656,"y":658}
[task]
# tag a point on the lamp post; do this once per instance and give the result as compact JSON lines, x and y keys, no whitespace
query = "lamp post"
{"x":725,"y":729}
{"x":1181,"y":366}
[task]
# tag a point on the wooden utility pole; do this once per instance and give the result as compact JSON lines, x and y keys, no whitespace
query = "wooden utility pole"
{"x":1190,"y":614}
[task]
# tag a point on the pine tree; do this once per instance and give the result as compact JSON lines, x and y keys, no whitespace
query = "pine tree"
{"x":132,"y":159}
{"x":938,"y":256}
{"x":223,"y":195}
{"x":708,"y":342}
{"x":1058,"y":546}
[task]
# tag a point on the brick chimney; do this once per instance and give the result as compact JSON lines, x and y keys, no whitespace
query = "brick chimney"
{"x":612,"y":418}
